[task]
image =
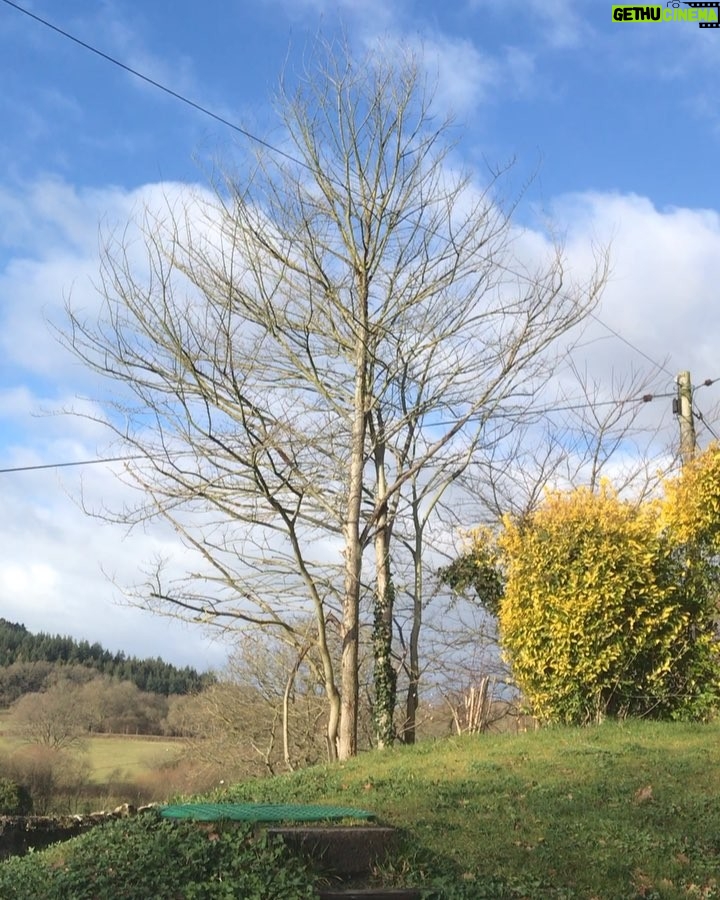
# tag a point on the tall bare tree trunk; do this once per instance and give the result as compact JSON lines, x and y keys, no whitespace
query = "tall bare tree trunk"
{"x":347,"y":734}
{"x":384,"y":674}
{"x":413,"y":668}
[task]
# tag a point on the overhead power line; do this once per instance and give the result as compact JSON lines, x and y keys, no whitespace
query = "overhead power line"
{"x":157,"y":84}
{"x":700,"y":417}
{"x":65,"y":465}
{"x":644,"y":398}
{"x":571,"y":406}
{"x":204,"y":110}
{"x":632,"y":346}
{"x":698,"y":414}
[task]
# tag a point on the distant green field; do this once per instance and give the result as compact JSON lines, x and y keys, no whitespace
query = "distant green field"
{"x":118,"y":757}
{"x":131,"y":755}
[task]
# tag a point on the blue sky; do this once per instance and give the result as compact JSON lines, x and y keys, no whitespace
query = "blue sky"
{"x":615,"y":132}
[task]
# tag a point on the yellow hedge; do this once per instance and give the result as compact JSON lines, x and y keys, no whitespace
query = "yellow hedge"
{"x":600,"y":615}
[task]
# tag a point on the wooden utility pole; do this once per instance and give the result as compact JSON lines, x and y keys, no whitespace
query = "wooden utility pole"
{"x":685,"y":414}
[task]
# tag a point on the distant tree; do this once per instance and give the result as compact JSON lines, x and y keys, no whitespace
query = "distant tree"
{"x":265,"y":714}
{"x":54,"y":779}
{"x":12,"y":637}
{"x":19,"y":647}
{"x":120,"y":707}
{"x":20,"y":678}
{"x":51,"y":718}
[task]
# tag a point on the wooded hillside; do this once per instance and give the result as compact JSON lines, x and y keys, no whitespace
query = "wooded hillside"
{"x":27,"y":661}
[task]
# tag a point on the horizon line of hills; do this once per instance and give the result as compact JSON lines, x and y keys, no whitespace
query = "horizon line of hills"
{"x":21,"y":650}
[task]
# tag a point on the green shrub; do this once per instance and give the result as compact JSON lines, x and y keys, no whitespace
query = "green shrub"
{"x":149,"y":856}
{"x":15,"y":799}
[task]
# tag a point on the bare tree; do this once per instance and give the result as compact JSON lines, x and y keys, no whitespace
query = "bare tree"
{"x":332,"y":328}
{"x":287,"y":681}
{"x":52,"y":718}
{"x":264,"y":712}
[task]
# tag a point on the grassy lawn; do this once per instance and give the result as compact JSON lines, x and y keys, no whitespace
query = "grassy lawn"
{"x":629,"y":810}
{"x":621,"y":810}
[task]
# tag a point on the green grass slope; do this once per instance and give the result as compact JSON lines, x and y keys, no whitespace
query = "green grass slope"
{"x":619,"y":811}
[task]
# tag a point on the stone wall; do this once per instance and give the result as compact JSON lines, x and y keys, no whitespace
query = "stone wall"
{"x":18,"y":834}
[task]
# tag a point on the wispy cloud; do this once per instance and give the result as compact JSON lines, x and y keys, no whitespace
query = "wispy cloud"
{"x":367,"y":14}
{"x":124,"y":36}
{"x":464,"y":77}
{"x":562,"y":23}
{"x":665,"y":268}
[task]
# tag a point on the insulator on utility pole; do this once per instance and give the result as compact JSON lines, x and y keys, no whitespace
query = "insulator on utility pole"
{"x":685,"y":413}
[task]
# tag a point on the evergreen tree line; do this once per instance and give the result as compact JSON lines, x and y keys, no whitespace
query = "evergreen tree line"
{"x":24,"y":657}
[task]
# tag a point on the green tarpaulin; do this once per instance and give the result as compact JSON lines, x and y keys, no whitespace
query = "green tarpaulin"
{"x":261,"y":812}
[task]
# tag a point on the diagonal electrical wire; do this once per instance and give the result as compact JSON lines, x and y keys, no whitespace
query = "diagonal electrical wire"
{"x":161,"y":87}
{"x":632,"y":346}
{"x":65,"y":465}
{"x":258,"y":140}
{"x":701,"y":418}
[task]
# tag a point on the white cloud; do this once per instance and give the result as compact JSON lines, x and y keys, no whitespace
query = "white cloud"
{"x":666,"y":266}
{"x":367,"y":15}
{"x":52,"y":579}
{"x":659,"y":307}
{"x":465,"y":76}
{"x":52,"y":233}
{"x":54,"y":556}
{"x":563,"y":23}
{"x":661,"y":298}
{"x":51,"y":572}
{"x":36,"y":578}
